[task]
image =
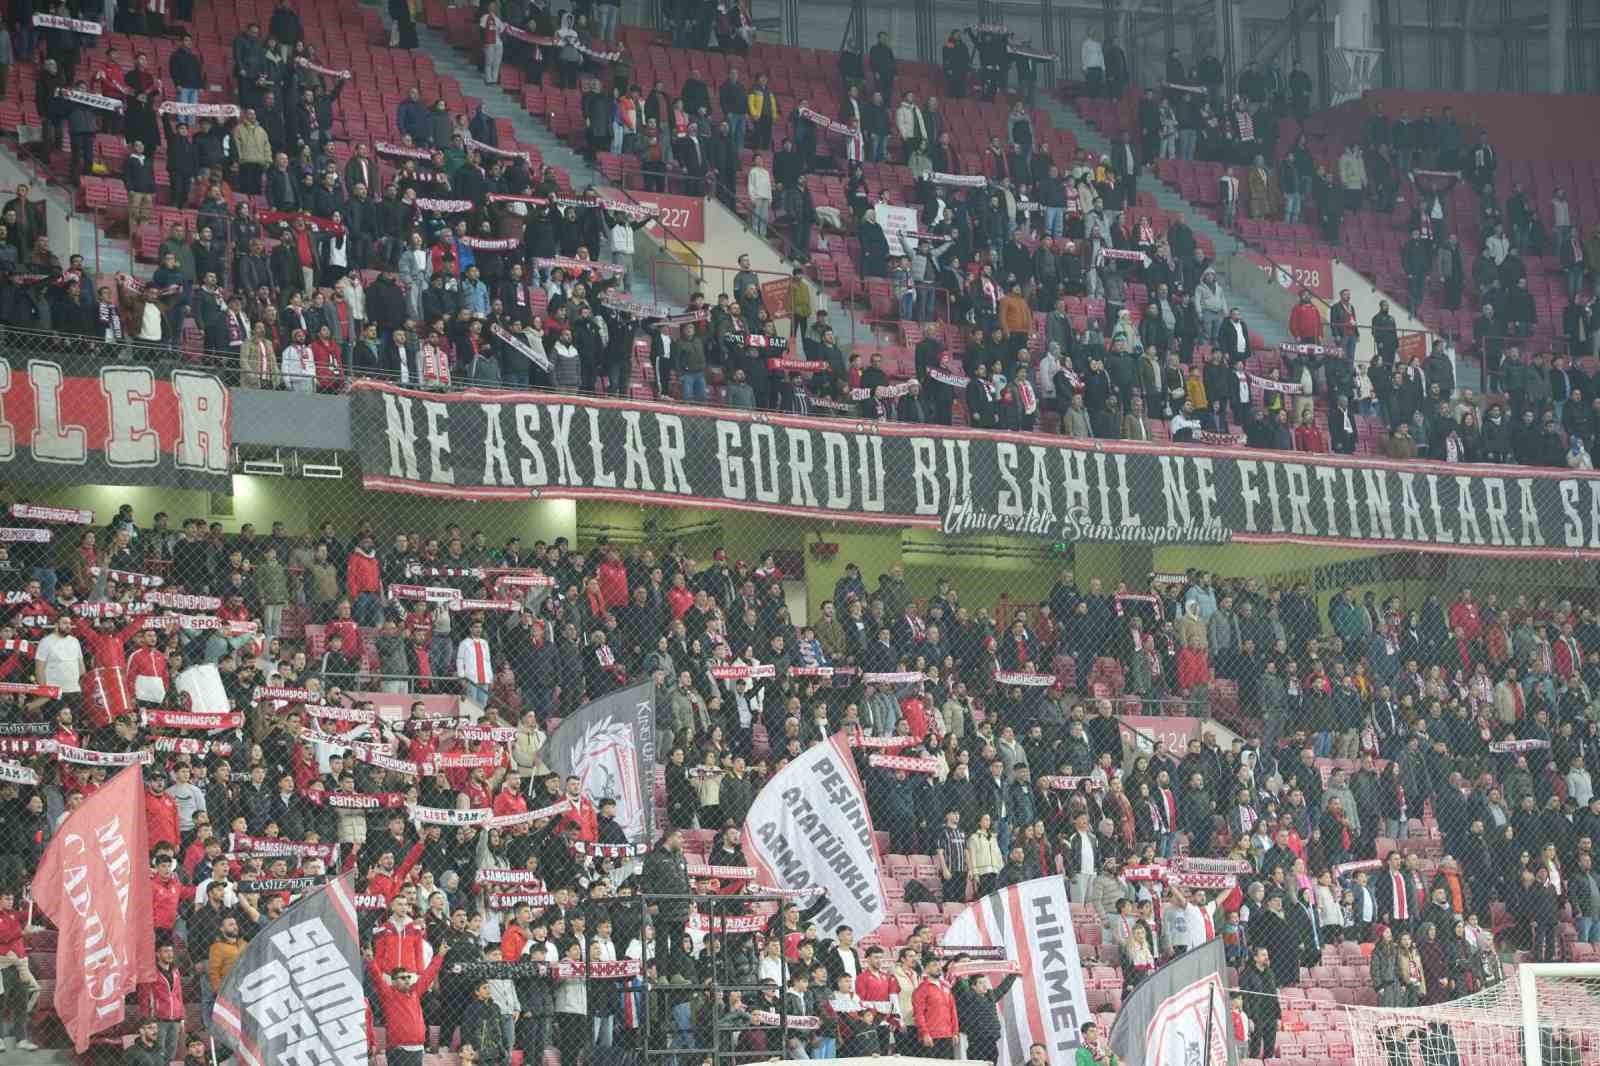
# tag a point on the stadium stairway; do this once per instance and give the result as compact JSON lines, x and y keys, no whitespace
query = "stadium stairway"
{"x":1271,"y":331}
{"x":850,"y":321}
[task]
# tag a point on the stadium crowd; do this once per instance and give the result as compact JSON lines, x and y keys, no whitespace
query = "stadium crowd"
{"x":1031,"y":776}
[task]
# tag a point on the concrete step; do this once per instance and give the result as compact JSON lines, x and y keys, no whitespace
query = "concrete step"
{"x":1168,"y":199}
{"x":848,"y":322}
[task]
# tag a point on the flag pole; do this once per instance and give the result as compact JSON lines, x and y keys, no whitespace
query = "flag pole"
{"x":213,"y":1042}
{"x":1211,"y":1018}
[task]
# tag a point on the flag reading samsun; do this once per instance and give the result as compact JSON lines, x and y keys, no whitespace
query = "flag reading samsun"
{"x":296,"y":995}
{"x":809,"y":828}
{"x":94,"y":884}
{"x":1033,"y":922}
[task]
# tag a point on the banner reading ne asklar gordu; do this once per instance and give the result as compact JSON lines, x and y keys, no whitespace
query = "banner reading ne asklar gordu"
{"x":809,"y":828}
{"x":501,"y":445}
{"x":1033,"y":922}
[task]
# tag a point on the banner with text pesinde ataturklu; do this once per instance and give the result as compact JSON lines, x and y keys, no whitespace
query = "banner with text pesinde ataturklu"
{"x":507,"y":446}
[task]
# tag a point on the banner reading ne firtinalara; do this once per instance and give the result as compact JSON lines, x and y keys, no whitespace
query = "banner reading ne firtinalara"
{"x":494,"y":445}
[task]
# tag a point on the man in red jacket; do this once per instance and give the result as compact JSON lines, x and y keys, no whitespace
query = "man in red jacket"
{"x":934,"y":1009}
{"x":1305,"y":321}
{"x":160,"y":811}
{"x":161,"y":1000}
{"x":363,"y":583}
{"x":400,"y":991}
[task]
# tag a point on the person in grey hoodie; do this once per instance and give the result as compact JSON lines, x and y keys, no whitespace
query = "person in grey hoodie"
{"x":740,"y":394}
{"x":392,"y":659}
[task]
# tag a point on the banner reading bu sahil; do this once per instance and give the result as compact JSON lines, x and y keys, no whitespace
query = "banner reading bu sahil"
{"x":1033,"y":922}
{"x":1178,"y":1010}
{"x":296,"y":993}
{"x":809,"y":827}
{"x":94,"y":884}
{"x":515,"y":446}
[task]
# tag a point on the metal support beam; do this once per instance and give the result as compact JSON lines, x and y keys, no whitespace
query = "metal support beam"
{"x":1287,"y":33}
{"x":1556,"y":44}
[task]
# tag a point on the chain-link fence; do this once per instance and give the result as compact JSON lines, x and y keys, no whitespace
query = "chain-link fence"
{"x":533,"y":675}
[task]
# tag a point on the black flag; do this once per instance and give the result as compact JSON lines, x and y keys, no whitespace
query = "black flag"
{"x":295,"y":995}
{"x":609,"y":744}
{"x":1179,"y":1014}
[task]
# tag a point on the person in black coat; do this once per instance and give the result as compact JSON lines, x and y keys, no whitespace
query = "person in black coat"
{"x":1261,"y":1003}
{"x":978,"y":1011}
{"x":1271,"y":928}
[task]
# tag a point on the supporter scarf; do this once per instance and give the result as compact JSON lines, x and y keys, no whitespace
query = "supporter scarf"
{"x":569,"y":38}
{"x":1305,"y":349}
{"x":281,"y":884}
{"x":608,"y":851}
{"x":802,"y":366}
{"x":1193,"y":865}
{"x":366,"y":901}
{"x":26,"y":536}
{"x":537,"y":358}
{"x":401,"y":151}
{"x":491,"y":244}
{"x":357,"y":801}
{"x":15,"y":597}
{"x":28,"y":746}
{"x":61,"y":22}
{"x":733,"y":923}
{"x":1028,"y":52}
{"x":891,"y":677}
{"x":831,"y":125}
{"x":999,"y":29}
{"x":319,"y":225}
{"x":1023,"y":679}
{"x":329,"y":713}
{"x":27,"y":729}
{"x":22,"y":688}
{"x":1174,"y":87}
{"x":1247,"y":125}
{"x":828,"y":404}
{"x":137,"y":287}
{"x":489,"y":149}
{"x":244,"y":843}
{"x":790,"y":1021}
{"x":1221,"y":440}
{"x":955,"y":381}
{"x":582,"y":266}
{"x":293,"y":695}
{"x":427,"y":593}
{"x":968,"y":181}
{"x":182,"y":601}
{"x":85,"y":757}
{"x":563,"y":970}
{"x":342,"y":75}
{"x":418,"y":570}
{"x":688,"y":318}
{"x":859,"y":739}
{"x":739,"y":672}
{"x":1197,"y":880}
{"x":1345,"y":869}
{"x":503,"y":875}
{"x":193,"y":746}
{"x":1132,"y":255}
{"x":88,"y":99}
{"x":525,"y":580}
{"x":173,"y":107}
{"x":197,"y":622}
{"x":482,"y":816}
{"x":621,"y":301}
{"x":985,"y":952}
{"x":496,"y":734}
{"x":108,"y":609}
{"x":910,"y":763}
{"x":721,"y":873}
{"x":185,"y":720}
{"x":129,"y":577}
{"x":409,"y":767}
{"x":18,"y":774}
{"x":504,"y":901}
{"x":65,"y":515}
{"x":958,"y":970}
{"x":1288,"y":388}
{"x":757,"y":340}
{"x":444,"y":207}
{"x":882,"y":392}
{"x":1501,"y":747}
{"x":468,"y":760}
{"x":1062,"y":782}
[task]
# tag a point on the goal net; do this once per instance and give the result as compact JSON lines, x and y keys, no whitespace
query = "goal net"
{"x":1538,"y":1015}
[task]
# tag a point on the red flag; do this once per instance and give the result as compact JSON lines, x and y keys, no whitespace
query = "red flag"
{"x":94,"y":884}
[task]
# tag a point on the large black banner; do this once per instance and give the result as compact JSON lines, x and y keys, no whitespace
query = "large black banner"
{"x":490,"y":445}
